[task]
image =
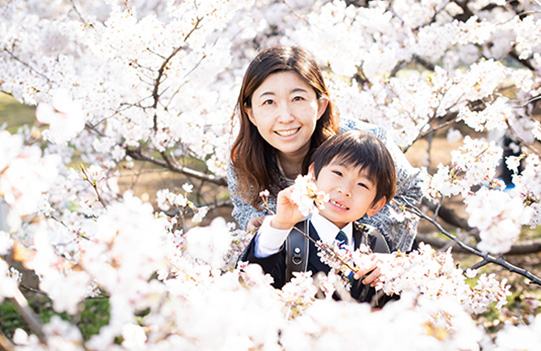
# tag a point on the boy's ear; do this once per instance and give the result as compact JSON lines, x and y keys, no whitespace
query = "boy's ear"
{"x":376,"y":207}
{"x":248,"y":111}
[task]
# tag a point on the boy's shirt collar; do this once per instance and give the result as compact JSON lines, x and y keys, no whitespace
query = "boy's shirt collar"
{"x":327,"y":231}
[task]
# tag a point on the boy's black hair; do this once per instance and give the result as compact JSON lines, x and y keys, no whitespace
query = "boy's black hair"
{"x":359,"y":149}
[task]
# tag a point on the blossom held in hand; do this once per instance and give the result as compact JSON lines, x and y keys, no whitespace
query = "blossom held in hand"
{"x":306,"y":196}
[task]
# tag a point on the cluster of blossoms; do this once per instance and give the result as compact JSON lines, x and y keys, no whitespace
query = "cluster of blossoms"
{"x":422,"y":271}
{"x":25,"y":174}
{"x":528,"y":184}
{"x":435,"y":275}
{"x":65,"y":118}
{"x":306,"y":196}
{"x":167,"y":200}
{"x":343,"y":261}
{"x":115,"y":78}
{"x":499,"y":218}
{"x":473,"y":163}
{"x":188,"y":286}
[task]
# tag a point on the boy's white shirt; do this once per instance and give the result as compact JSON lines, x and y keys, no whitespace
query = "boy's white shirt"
{"x":269,"y":240}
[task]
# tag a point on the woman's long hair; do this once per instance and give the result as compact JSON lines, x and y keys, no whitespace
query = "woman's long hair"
{"x":254,"y":159}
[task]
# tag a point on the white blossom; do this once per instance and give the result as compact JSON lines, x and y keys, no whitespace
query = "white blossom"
{"x":520,"y":337}
{"x":499,"y":218}
{"x":306,"y":196}
{"x":64,"y":116}
{"x":114,"y":78}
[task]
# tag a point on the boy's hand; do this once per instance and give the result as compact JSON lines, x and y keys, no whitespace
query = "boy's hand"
{"x":287,"y":212}
{"x":255,"y":223}
{"x":373,"y":271}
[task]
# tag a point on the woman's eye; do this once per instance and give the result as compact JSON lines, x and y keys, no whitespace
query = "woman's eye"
{"x":268,"y":102}
{"x":298,"y":98}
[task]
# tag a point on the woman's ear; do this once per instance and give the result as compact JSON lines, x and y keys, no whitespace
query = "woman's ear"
{"x":376,"y":207}
{"x":322,"y":104}
{"x":311,"y":171}
{"x":248,"y":111}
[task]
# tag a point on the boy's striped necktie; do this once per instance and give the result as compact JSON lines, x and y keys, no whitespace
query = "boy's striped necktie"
{"x":341,"y":238}
{"x":342,"y":241}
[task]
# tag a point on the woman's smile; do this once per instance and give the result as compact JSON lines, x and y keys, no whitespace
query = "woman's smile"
{"x":285,"y":110}
{"x":287,"y":132}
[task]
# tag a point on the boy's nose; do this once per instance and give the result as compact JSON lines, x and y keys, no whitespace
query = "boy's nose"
{"x":344,"y":190}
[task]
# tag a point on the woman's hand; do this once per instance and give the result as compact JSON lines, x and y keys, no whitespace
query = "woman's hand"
{"x":255,"y":223}
{"x":373,"y":271}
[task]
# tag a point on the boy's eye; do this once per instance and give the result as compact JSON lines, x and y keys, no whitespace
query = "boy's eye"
{"x":363,"y":185}
{"x":337,"y":173}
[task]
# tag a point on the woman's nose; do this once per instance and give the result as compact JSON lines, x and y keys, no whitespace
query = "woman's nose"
{"x":284,"y":114}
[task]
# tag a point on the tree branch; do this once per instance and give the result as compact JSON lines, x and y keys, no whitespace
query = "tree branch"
{"x":466,"y":12}
{"x":28,"y":315}
{"x":174,"y":166}
{"x":27,"y":66}
{"x":526,"y":63}
{"x":5,"y":344}
{"x":520,"y":140}
{"x":486,"y":257}
{"x":522,"y":248}
{"x":448,"y":215}
{"x":161,"y":71}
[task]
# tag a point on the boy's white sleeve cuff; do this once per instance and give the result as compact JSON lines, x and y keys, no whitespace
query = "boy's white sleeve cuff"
{"x":269,"y":240}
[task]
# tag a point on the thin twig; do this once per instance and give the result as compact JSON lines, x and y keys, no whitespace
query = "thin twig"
{"x":27,"y":65}
{"x":318,"y":245}
{"x":94,"y":184}
{"x":486,"y":257}
{"x":326,"y":250}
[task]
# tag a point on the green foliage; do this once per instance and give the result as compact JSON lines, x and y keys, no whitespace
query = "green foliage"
{"x":94,"y":314}
{"x":14,"y":113}
{"x":10,"y":319}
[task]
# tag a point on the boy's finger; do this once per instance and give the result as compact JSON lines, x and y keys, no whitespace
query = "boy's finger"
{"x":372,"y":276}
{"x":361,"y":274}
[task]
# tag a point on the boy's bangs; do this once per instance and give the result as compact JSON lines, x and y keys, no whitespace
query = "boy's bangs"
{"x":352,"y":160}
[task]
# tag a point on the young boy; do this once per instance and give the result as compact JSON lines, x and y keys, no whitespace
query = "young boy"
{"x":357,"y":172}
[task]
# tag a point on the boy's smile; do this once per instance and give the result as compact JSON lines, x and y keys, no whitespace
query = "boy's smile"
{"x":351,"y":193}
{"x":337,"y":204}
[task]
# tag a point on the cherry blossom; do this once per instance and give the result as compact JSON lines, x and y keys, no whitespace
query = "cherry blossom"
{"x":306,"y":196}
{"x":117,"y":81}
{"x":64,"y":116}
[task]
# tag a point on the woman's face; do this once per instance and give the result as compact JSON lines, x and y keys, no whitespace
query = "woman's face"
{"x":285,"y":111}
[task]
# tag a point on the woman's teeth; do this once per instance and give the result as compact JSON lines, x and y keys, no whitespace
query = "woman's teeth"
{"x":286,"y":133}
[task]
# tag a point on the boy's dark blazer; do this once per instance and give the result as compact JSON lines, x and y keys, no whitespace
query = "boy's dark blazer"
{"x":275,"y":264}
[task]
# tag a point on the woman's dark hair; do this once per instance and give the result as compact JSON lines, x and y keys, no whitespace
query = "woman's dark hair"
{"x":254,"y":159}
{"x":359,"y":149}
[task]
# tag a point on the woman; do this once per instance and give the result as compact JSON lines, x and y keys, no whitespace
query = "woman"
{"x":285,"y":114}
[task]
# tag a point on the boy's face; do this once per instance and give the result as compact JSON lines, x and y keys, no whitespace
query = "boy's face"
{"x":351,"y":193}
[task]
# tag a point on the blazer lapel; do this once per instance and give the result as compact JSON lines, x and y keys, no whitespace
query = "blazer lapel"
{"x":314,"y":260}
